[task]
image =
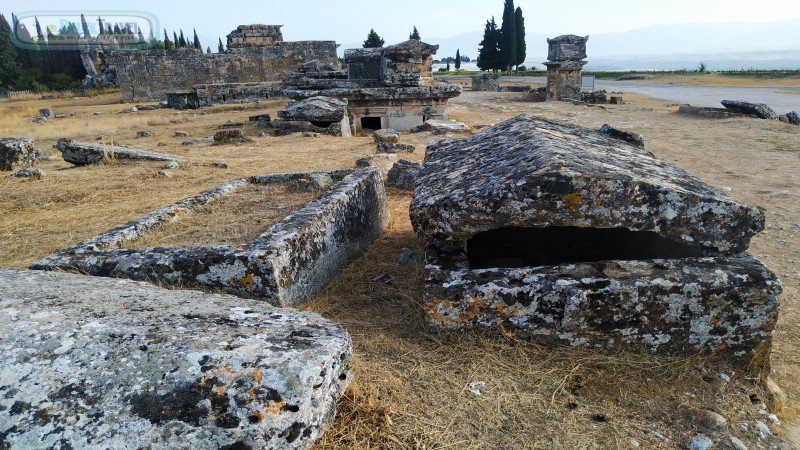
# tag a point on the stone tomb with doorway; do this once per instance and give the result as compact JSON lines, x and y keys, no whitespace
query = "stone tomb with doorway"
{"x":387,"y":87}
{"x":284,"y":262}
{"x":583,"y":237}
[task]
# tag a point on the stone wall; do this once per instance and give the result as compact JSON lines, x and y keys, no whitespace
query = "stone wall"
{"x":152,"y":73}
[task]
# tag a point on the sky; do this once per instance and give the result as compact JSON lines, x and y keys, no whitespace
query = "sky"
{"x":349,"y":21}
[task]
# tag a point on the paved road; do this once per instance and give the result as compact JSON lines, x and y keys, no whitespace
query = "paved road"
{"x":781,"y":99}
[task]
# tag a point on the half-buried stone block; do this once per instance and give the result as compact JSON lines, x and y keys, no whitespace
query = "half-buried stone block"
{"x":577,"y":236}
{"x":265,"y":237}
{"x":101,"y":363}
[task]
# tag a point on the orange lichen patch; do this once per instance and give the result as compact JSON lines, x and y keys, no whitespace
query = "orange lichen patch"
{"x":258,"y":374}
{"x":432,"y":310}
{"x":598,"y":201}
{"x":245,"y":281}
{"x":219,"y":390}
{"x":274,"y":407}
{"x":572,"y":200}
{"x":694,"y":200}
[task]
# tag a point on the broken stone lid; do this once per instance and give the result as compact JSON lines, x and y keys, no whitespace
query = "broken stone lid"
{"x":102,"y":363}
{"x":534,"y":172}
{"x":320,"y":108}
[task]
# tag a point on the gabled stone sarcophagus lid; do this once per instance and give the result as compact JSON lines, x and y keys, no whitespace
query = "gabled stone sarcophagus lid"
{"x":584,"y":237}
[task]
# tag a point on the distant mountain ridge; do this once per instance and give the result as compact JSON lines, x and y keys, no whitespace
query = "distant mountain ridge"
{"x":731,"y":42}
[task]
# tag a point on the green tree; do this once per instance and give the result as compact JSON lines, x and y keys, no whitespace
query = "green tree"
{"x":182,"y":41}
{"x":85,"y":27}
{"x":102,"y":28}
{"x":520,"y":30}
{"x":458,"y":59}
{"x":414,"y":34}
{"x":448,"y":67}
{"x":508,"y":36}
{"x":196,"y":41}
{"x":489,"y":52}
{"x":9,"y":67}
{"x":39,"y":34}
{"x":220,"y":47}
{"x":175,"y":42}
{"x":208,"y":50}
{"x":169,"y":45}
{"x":373,"y":40}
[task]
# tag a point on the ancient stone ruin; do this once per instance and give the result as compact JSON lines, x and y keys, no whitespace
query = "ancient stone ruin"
{"x":403,"y":174}
{"x":100,"y":363}
{"x":389,"y":87}
{"x":315,"y":114}
{"x":565,"y":60}
{"x":287,"y":263}
{"x":83,"y":153}
{"x":255,"y":54}
{"x":486,"y":82}
{"x":16,"y":153}
{"x":583,"y":237}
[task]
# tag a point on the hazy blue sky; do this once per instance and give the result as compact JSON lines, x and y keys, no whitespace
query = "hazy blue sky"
{"x":348,"y":21}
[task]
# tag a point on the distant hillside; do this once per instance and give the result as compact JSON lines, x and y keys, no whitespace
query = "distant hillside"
{"x":758,"y":45}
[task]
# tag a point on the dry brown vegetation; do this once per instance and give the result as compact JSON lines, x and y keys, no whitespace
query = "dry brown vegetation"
{"x":412,"y":386}
{"x":234,"y":219}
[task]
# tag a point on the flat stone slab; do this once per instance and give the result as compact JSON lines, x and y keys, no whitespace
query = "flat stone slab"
{"x":709,"y":113}
{"x":320,"y":108}
{"x":403,"y":174}
{"x":287,"y":263}
{"x":446,"y":126}
{"x":386,"y":135}
{"x":83,"y":153}
{"x":100,"y":363}
{"x":760,"y":110}
{"x":533,"y":172}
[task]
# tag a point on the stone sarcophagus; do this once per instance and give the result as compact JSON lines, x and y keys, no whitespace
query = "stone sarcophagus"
{"x":284,"y":263}
{"x":583,"y":237}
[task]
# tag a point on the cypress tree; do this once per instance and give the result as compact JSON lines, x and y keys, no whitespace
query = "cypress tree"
{"x":175,"y":42}
{"x":182,"y":41}
{"x":109,"y":30}
{"x":208,"y":50}
{"x":196,"y":42}
{"x":489,"y":53}
{"x":458,"y":59}
{"x":117,"y":30}
{"x":373,"y":40}
{"x":100,"y":23}
{"x":9,"y":67}
{"x":414,"y":34}
{"x":508,"y":36}
{"x":39,"y":34}
{"x":521,"y":47}
{"x":167,"y":43}
{"x":85,"y":26}
{"x":220,"y":47}
{"x":140,"y":36}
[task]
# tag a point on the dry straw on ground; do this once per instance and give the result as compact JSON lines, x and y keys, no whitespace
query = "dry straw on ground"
{"x":414,"y":388}
{"x":234,"y":219}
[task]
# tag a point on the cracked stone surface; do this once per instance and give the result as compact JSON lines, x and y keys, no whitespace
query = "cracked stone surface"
{"x":403,"y":174}
{"x":582,"y":237}
{"x":101,"y":363}
{"x":289,"y":262}
{"x":16,"y":153}
{"x":82,"y":153}
{"x":760,"y":110}
{"x":319,"y":108}
{"x":530,"y":171}
{"x":726,"y":305}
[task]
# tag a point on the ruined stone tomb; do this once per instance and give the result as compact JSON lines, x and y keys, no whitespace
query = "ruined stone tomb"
{"x":583,"y":237}
{"x":102,"y":363}
{"x":276,"y":237}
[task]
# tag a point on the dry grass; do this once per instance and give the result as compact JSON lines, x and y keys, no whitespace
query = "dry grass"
{"x":411,"y":386}
{"x":234,"y":219}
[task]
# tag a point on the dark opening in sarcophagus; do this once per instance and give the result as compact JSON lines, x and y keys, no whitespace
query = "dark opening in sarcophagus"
{"x":583,"y":237}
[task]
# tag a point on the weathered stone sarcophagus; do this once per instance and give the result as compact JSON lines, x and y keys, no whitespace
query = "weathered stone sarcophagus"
{"x":284,"y":264}
{"x":583,"y":237}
